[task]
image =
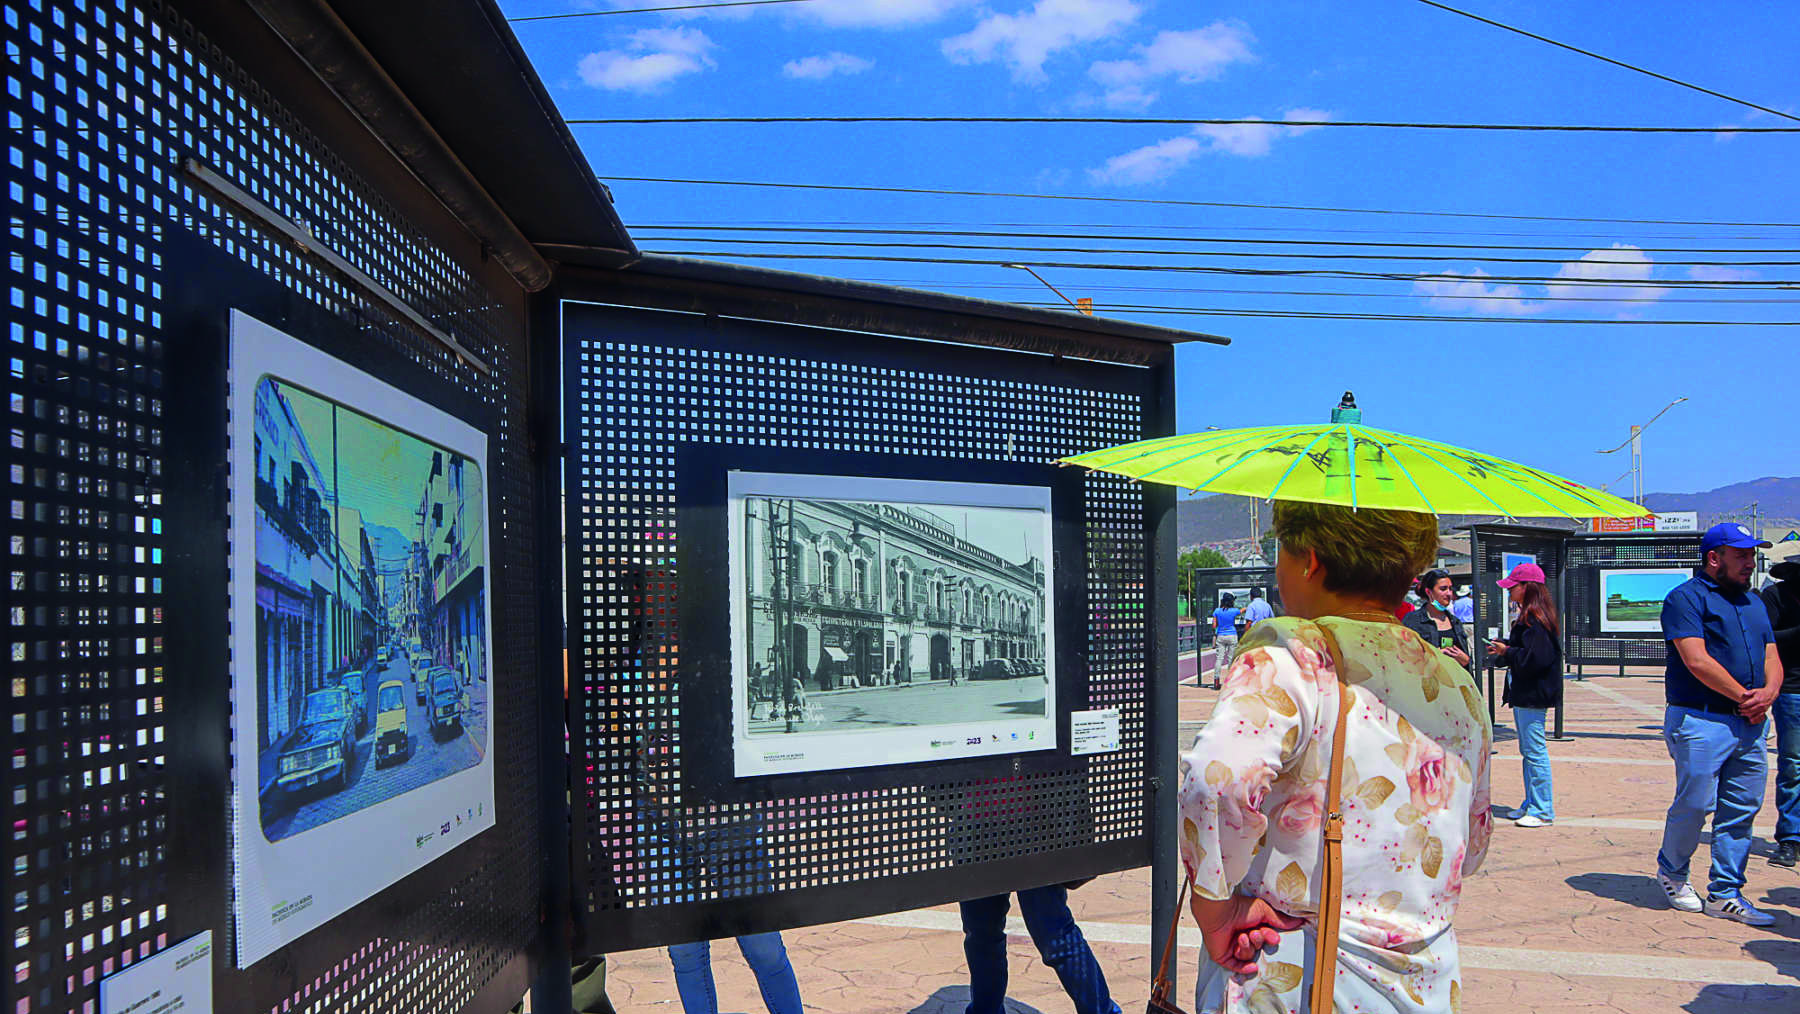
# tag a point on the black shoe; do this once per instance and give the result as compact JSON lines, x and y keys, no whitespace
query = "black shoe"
{"x":1787,"y":853}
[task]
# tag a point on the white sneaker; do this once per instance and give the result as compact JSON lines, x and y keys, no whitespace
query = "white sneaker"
{"x":1530,"y":820}
{"x":1737,"y":909}
{"x":1681,"y":897}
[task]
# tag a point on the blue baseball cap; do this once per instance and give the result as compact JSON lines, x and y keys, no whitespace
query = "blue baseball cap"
{"x":1730,"y":533}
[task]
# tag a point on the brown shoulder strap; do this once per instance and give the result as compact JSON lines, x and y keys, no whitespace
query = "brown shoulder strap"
{"x":1331,"y":891}
{"x":1163,"y":986}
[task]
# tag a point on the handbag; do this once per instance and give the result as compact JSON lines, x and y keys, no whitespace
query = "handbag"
{"x":1331,"y":892}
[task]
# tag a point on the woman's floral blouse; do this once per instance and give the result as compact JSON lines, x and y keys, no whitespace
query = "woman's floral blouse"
{"x":1415,"y":810}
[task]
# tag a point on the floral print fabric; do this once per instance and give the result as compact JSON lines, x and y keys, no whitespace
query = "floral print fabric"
{"x":1415,"y":798}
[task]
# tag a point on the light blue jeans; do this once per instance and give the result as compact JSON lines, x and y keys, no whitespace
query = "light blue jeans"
{"x":1786,"y":713}
{"x":1721,"y":763}
{"x":1540,"y":798}
{"x":767,"y":958}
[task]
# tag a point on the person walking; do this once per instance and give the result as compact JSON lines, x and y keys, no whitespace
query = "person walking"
{"x":1225,"y":636}
{"x":1723,"y":674}
{"x":1532,"y":655}
{"x":1337,"y":675}
{"x":1435,"y":624}
{"x":1059,"y":942}
{"x":1782,"y":599}
{"x":1258,"y":609}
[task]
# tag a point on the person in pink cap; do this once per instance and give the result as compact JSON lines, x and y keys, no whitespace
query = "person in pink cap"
{"x":1532,"y":655}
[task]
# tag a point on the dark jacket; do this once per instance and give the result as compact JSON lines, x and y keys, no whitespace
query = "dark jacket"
{"x":1421,"y":623}
{"x":1783,"y":601}
{"x":1534,"y":659}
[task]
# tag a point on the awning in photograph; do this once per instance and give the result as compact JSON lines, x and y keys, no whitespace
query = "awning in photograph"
{"x":836,"y":654}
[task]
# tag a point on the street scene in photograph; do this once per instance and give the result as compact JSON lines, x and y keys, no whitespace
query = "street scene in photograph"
{"x":881,"y":615}
{"x":371,"y":621}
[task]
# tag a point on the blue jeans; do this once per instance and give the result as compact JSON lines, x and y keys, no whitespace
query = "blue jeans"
{"x":1721,"y":763}
{"x":1540,"y":798}
{"x":1786,"y":713}
{"x":1058,"y":939}
{"x":765,"y":955}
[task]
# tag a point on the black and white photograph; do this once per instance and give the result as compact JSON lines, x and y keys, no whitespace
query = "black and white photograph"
{"x":362,"y":665}
{"x":883,"y":621}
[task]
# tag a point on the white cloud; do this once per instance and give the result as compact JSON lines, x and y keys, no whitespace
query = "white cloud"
{"x":1304,"y":115}
{"x":1190,"y":57}
{"x":1622,"y":262}
{"x":651,"y":58}
{"x":1159,"y":161}
{"x":876,"y":13}
{"x":815,"y":68}
{"x":1717,"y":273}
{"x":1453,"y":291}
{"x":1149,"y":164}
{"x":1025,"y":40}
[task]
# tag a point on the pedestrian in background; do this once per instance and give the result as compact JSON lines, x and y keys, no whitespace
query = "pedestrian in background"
{"x":1723,"y":674}
{"x":1225,"y":636}
{"x":1464,"y":606}
{"x":1435,"y":624}
{"x":1532,"y":656}
{"x":1783,"y":602}
{"x":1258,"y":610}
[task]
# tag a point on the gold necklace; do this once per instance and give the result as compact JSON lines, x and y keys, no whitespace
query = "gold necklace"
{"x":1367,"y":614}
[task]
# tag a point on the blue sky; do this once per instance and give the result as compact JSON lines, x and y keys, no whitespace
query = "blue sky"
{"x":1544,"y":393}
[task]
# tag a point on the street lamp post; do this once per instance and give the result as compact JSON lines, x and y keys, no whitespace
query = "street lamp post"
{"x":1636,"y":443}
{"x":1083,"y":305}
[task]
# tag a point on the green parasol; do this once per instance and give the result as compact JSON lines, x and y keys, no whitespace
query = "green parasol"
{"x":1346,"y":463}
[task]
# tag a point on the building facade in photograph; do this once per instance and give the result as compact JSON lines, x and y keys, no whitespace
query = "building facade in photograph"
{"x":866,"y":594}
{"x":449,"y":612}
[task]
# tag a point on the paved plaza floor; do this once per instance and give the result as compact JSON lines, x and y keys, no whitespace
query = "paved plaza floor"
{"x":1562,"y":918}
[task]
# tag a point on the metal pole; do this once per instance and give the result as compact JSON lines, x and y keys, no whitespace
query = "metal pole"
{"x":1162,"y":706}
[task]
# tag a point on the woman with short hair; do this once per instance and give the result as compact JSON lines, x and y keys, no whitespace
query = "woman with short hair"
{"x":1435,"y":624}
{"x":1414,"y":777}
{"x":1532,"y":655}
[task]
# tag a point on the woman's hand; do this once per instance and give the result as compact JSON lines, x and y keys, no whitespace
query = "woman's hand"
{"x":1461,"y":656}
{"x":1238,"y":929}
{"x":1496,"y":649}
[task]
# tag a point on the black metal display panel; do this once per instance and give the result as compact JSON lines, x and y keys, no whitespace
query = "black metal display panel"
{"x":657,"y":402}
{"x":1586,"y":556}
{"x":1209,"y":582}
{"x":121,"y":273}
{"x":1488,"y":548}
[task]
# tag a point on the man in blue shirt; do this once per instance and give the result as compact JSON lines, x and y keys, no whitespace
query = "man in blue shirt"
{"x":1464,"y":606}
{"x":1723,"y":674}
{"x":1258,"y":609}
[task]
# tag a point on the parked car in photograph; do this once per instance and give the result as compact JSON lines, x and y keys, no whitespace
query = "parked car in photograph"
{"x":392,"y":737}
{"x":421,"y":671}
{"x":993,"y":669}
{"x":321,"y":747}
{"x":356,"y":688}
{"x":446,"y":701}
{"x":383,"y":656}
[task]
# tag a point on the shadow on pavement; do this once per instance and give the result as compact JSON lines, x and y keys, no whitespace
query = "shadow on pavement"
{"x":1737,"y":999}
{"x":955,"y":999}
{"x":1784,"y":955}
{"x":1632,"y":889}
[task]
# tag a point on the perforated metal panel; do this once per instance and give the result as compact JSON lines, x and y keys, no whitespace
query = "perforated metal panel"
{"x":101,"y":99}
{"x":641,"y":385}
{"x":1585,"y":557}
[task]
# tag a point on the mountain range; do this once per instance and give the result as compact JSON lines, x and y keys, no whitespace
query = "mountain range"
{"x":1225,"y":520}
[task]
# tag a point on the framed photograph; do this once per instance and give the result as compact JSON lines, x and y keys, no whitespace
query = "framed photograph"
{"x":882,"y":621}
{"x":361,"y":658}
{"x":1507,"y":562}
{"x":1631,"y":600}
{"x":1240,"y":597}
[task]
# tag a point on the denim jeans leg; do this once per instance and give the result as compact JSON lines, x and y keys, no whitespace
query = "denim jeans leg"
{"x":768,"y":958}
{"x":1697,"y":744}
{"x":984,"y":945}
{"x":1224,"y":650}
{"x":1786,"y":715}
{"x":694,"y":978}
{"x":1540,"y":799}
{"x":1064,"y":949}
{"x":1741,"y":783}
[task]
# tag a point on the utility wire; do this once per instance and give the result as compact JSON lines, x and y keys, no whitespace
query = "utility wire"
{"x":653,"y":10}
{"x":1607,"y":59}
{"x":1168,"y":202}
{"x":1583,"y":128}
{"x":1184,"y":290}
{"x":889,"y":224}
{"x":1162,"y":238}
{"x":1439,"y":318}
{"x":1152,"y":252}
{"x":1399,"y":276}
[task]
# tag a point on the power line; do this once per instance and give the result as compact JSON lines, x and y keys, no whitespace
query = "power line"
{"x":1435,"y":318}
{"x":1169,"y":202}
{"x":1607,"y":59}
{"x":1160,"y":238}
{"x":1401,"y":276}
{"x":1584,"y":128}
{"x":1182,"y":290}
{"x":653,"y":10}
{"x":797,"y":224}
{"x":1152,"y":252}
